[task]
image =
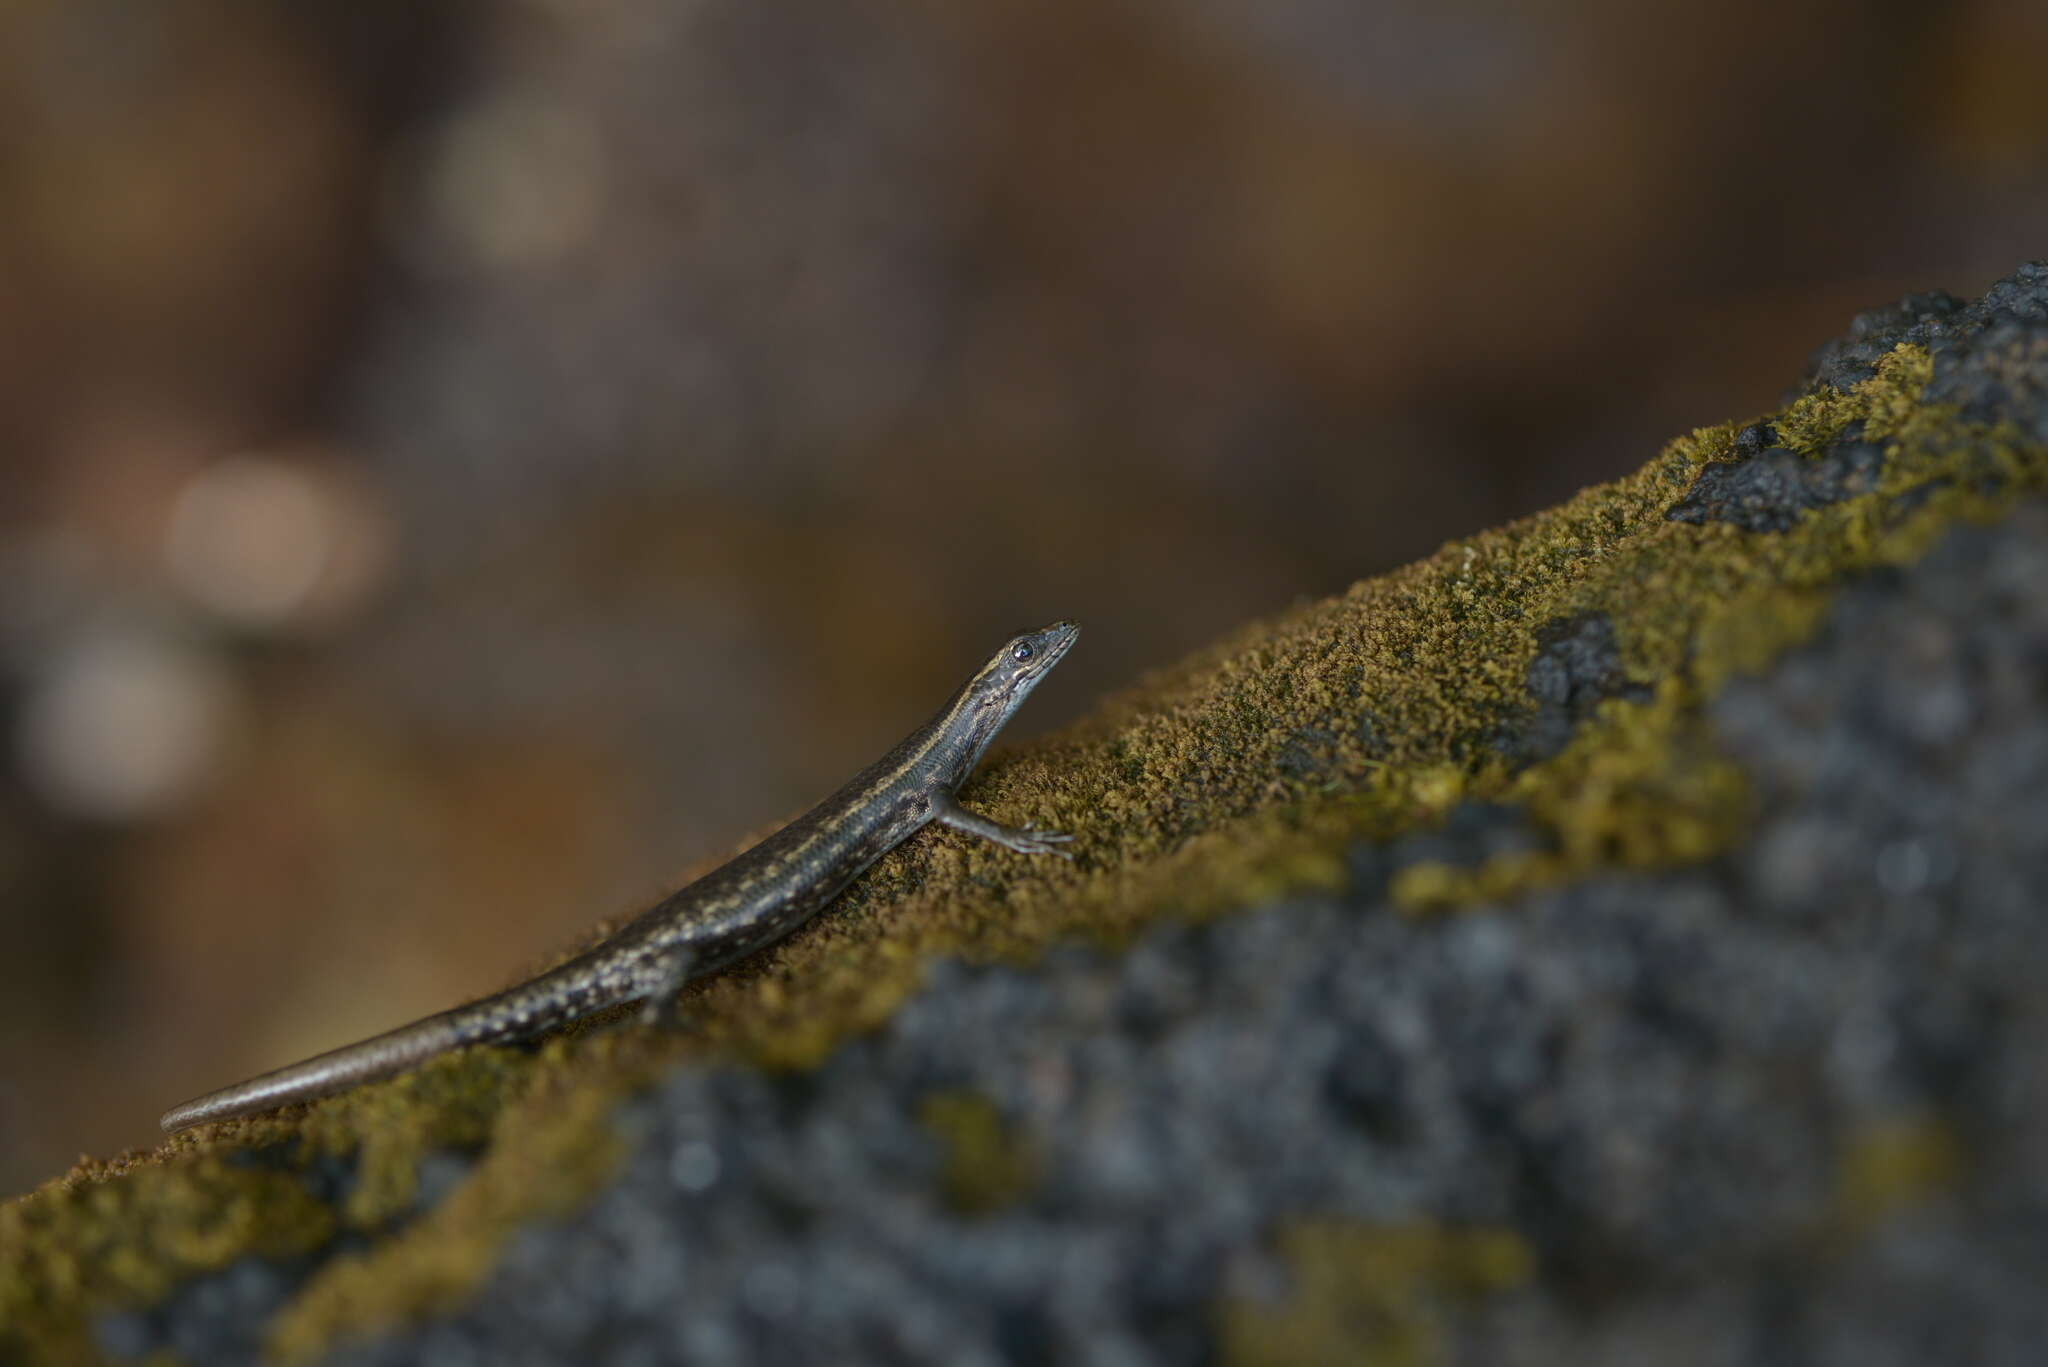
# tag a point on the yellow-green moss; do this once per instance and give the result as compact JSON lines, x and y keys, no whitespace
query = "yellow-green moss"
{"x":1639,"y":786}
{"x":125,"y":1239}
{"x":1369,"y":1297}
{"x":1242,"y":773}
{"x":113,"y":1235}
{"x":555,"y":1146}
{"x":987,"y":1167}
{"x":1891,"y":1166}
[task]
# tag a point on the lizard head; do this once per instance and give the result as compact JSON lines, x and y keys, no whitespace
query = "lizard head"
{"x":1025,"y":658}
{"x":999,"y":688}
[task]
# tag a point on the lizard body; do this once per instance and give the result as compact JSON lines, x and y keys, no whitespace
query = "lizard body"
{"x":757,"y":898}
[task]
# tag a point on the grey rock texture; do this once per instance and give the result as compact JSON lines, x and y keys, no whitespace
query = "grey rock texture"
{"x":1947,"y":326}
{"x":1990,"y":360}
{"x":1577,"y":667}
{"x":1770,"y":489}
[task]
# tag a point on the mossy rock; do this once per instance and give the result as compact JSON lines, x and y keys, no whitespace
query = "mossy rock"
{"x":1535,"y":700}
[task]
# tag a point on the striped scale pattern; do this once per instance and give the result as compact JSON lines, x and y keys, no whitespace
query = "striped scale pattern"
{"x":757,"y":898}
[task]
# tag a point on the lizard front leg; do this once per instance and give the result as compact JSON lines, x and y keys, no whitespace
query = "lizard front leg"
{"x":948,"y":812}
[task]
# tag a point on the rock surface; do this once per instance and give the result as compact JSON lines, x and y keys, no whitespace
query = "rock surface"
{"x":1616,"y":938}
{"x":1787,"y":1107}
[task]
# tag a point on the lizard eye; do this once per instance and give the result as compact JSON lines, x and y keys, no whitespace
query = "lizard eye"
{"x":1022,"y":653}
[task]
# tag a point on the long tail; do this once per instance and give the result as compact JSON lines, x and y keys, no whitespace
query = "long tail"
{"x":591,"y":980}
{"x":337,"y":1070}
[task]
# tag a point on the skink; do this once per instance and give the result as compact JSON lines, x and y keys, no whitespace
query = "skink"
{"x":737,"y":908}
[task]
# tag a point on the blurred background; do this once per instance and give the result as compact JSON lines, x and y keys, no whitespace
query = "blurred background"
{"x":461,"y":464}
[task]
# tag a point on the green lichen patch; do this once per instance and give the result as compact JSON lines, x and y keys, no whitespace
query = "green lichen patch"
{"x":1254,"y":768}
{"x":1376,"y":1297}
{"x":1891,"y":1166}
{"x":987,"y":1167}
